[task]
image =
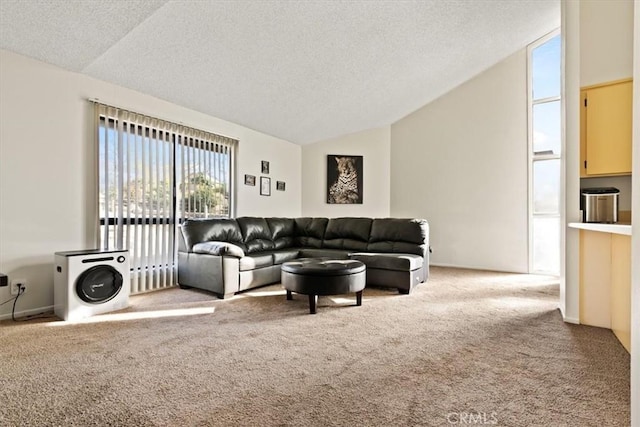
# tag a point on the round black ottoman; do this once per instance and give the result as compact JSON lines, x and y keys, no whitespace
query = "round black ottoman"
{"x":323,"y":276}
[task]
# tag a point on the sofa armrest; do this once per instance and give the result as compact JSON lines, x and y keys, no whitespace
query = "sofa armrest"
{"x":219,"y":249}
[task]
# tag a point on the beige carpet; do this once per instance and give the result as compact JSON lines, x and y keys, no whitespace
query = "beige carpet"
{"x":467,"y":347}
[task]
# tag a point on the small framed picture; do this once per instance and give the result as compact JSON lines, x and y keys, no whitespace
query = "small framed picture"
{"x":265,"y":186}
{"x":250,"y":180}
{"x":265,"y":167}
{"x":280,"y":185}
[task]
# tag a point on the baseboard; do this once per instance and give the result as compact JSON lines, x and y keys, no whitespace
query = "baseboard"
{"x":31,"y":312}
{"x":571,"y":320}
{"x":568,"y":319}
{"x":470,"y":267}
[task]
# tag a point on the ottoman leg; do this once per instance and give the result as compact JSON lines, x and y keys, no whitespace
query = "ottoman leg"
{"x":359,"y":298}
{"x":289,"y":296}
{"x":313,"y":300}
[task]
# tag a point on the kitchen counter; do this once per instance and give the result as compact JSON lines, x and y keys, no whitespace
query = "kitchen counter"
{"x":605,"y":277}
{"x":618,"y":228}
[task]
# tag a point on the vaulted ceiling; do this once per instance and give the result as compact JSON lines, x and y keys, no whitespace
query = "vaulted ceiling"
{"x":303,"y":71}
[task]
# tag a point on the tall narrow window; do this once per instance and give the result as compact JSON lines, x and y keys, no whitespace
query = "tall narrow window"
{"x":545,"y":154}
{"x":152,"y":175}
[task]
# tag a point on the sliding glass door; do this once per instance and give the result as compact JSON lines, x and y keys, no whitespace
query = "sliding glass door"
{"x":153,"y":174}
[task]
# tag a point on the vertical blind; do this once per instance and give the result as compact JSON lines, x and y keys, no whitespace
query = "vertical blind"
{"x":153,"y":174}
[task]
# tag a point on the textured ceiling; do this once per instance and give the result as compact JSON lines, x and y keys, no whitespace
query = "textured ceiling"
{"x":303,"y":71}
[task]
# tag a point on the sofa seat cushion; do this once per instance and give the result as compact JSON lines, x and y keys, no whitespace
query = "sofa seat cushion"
{"x":253,"y":261}
{"x":284,"y":255}
{"x":386,"y":261}
{"x":218,"y":248}
{"x":324,"y":253}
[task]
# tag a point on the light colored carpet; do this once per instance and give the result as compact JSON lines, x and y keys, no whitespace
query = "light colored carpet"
{"x":466,"y":346}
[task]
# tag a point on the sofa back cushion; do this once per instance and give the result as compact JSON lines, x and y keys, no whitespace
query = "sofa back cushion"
{"x":399,"y":235}
{"x":347,"y":233}
{"x":212,"y":229}
{"x":281,"y":232}
{"x":309,"y":232}
{"x":256,"y":234}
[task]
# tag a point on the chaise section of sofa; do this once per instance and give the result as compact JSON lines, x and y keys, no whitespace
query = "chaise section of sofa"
{"x":226,"y":256}
{"x":397,"y":252}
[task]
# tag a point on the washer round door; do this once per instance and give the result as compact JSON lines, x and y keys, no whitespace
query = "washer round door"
{"x":99,"y":284}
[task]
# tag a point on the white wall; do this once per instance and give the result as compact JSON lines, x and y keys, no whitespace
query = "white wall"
{"x":569,"y":303}
{"x":461,"y":163}
{"x":47,"y":195}
{"x":374,"y":146}
{"x":606,"y":41}
{"x":284,"y":165}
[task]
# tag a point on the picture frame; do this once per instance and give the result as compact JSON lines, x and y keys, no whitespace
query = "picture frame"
{"x":265,"y":186}
{"x":344,"y":179}
{"x":250,"y":180}
{"x":280,"y":185}
{"x":264,"y":166}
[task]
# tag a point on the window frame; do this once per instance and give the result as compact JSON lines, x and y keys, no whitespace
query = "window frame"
{"x":532,"y":158}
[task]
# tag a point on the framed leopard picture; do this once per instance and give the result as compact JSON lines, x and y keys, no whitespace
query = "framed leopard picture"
{"x":344,"y":179}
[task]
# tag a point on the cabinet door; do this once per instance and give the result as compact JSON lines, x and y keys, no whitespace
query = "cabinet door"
{"x":583,"y":134}
{"x":608,"y":129}
{"x":595,"y":278}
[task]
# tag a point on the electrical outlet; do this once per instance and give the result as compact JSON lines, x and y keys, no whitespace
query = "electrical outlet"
{"x":15,"y":286}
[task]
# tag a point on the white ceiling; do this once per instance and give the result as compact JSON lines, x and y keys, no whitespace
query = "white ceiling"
{"x":303,"y":71}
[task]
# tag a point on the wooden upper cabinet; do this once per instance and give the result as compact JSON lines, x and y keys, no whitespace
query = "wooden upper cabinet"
{"x":606,"y":123}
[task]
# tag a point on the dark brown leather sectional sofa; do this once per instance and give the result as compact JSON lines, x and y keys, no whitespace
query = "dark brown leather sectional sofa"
{"x":225,"y":256}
